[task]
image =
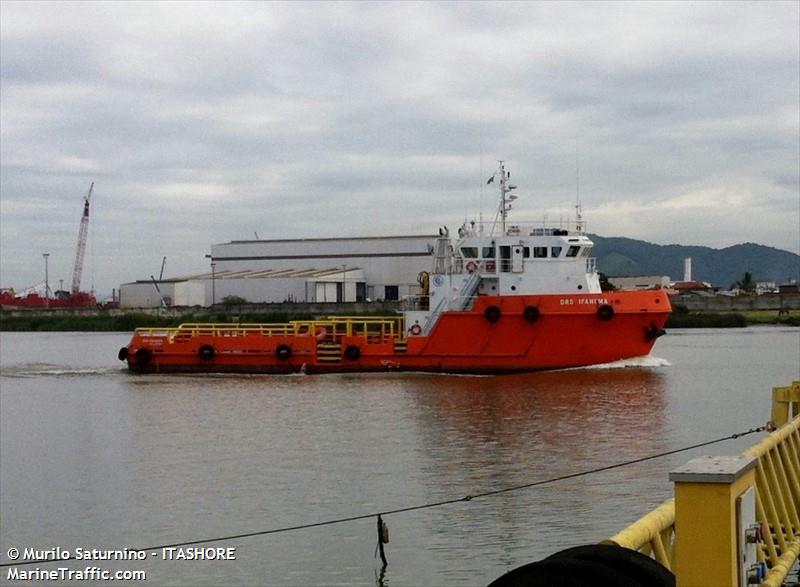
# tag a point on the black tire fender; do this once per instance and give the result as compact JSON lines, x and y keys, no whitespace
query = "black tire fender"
{"x":352,"y":352}
{"x":143,"y":356}
{"x":531,"y":314}
{"x":653,"y":332}
{"x":605,"y":312}
{"x":283,"y":352}
{"x":206,"y":352}
{"x":492,"y":314}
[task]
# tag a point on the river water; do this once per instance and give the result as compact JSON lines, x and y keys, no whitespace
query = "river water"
{"x":94,"y":457}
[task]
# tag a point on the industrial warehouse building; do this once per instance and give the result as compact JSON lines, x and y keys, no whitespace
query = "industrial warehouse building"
{"x":297,"y":270}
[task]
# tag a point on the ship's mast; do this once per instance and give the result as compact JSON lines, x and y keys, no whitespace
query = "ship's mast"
{"x":506,"y":198}
{"x":578,"y":207}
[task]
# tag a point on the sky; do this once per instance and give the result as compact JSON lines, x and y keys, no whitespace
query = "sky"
{"x":202,"y":123}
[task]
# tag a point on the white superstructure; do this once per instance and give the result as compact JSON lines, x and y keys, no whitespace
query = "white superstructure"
{"x":500,"y":258}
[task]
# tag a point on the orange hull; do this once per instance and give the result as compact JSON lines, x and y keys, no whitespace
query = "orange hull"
{"x":567,"y":331}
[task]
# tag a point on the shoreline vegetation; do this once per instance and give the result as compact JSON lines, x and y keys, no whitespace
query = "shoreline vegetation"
{"x":683,"y":318}
{"x":127,"y":322}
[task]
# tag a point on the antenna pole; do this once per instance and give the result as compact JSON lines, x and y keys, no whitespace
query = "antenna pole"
{"x":578,"y":210}
{"x":577,"y":175}
{"x":480,"y":202}
{"x":503,"y":192}
{"x":505,"y":199}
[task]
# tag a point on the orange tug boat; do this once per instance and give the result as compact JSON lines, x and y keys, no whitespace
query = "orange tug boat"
{"x":499,"y":299}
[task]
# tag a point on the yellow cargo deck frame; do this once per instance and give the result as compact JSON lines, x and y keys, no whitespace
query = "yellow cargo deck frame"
{"x":374,"y":328}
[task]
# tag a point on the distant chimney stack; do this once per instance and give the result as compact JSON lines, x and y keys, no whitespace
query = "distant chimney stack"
{"x":687,"y":269}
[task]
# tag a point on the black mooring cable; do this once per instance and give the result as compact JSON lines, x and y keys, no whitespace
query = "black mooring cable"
{"x":412,"y":508}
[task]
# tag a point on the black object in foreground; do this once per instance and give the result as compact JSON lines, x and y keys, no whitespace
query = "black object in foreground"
{"x":599,"y":565}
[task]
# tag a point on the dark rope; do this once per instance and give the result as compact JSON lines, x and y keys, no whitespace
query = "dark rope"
{"x":379,"y":547}
{"x":412,"y":508}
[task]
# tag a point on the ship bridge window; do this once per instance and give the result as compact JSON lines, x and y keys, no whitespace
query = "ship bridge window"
{"x":488,"y":252}
{"x":586,"y":251}
{"x":469,"y":252}
{"x":573,"y":251}
{"x":526,"y":252}
{"x":540,"y":252}
{"x":556,"y":251}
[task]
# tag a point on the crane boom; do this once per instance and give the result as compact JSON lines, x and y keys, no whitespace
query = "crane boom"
{"x":77,"y":269}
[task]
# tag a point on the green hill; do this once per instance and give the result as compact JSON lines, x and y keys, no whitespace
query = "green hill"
{"x":618,"y":256}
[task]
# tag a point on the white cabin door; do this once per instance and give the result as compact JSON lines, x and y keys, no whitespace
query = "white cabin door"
{"x":516,"y":259}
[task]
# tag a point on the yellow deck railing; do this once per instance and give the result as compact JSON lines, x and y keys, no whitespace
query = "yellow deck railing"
{"x":777,"y":498}
{"x":778,"y":486}
{"x":373,"y":328}
{"x":653,"y":534}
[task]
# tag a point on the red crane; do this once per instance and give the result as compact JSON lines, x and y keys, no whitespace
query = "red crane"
{"x":79,"y":254}
{"x":76,"y":298}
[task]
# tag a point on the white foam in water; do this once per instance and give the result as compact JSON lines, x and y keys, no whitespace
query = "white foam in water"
{"x":648,"y":361}
{"x":47,"y":370}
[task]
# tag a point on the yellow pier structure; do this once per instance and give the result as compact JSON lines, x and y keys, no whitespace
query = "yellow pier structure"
{"x":734,"y":521}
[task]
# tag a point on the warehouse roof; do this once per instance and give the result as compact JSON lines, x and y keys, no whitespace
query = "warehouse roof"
{"x":309,"y":273}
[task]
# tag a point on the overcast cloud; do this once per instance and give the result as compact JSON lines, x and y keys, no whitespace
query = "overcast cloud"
{"x":203,"y":123}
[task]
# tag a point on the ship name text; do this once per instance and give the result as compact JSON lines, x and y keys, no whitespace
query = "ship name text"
{"x":583,"y":301}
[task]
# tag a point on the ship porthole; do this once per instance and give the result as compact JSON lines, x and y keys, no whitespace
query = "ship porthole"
{"x":352,"y":353}
{"x":143,"y":356}
{"x":123,"y":353}
{"x":492,"y":313}
{"x":206,"y":352}
{"x":283,"y":352}
{"x":531,"y":313}
{"x":605,"y":312}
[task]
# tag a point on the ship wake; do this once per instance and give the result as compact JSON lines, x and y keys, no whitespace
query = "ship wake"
{"x":648,"y":361}
{"x":50,"y":370}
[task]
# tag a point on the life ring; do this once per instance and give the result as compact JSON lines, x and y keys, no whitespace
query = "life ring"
{"x":123,"y":353}
{"x":605,"y":312}
{"x":143,"y":356}
{"x":472,"y":266}
{"x":352,"y":352}
{"x":283,"y":352}
{"x":492,"y":314}
{"x":415,"y":330}
{"x":320,"y":332}
{"x":531,"y":314}
{"x":206,"y":352}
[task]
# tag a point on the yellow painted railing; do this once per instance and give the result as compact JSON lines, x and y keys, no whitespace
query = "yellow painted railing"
{"x":777,"y":498}
{"x":778,"y":486}
{"x":654,"y":534}
{"x":374,"y":328}
{"x":785,"y":403}
{"x":371,"y":327}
